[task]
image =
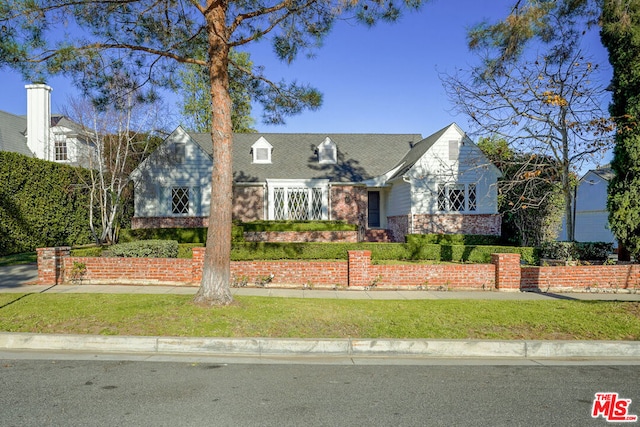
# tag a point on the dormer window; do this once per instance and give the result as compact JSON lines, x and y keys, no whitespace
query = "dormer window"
{"x":261,"y":151}
{"x":328,"y":152}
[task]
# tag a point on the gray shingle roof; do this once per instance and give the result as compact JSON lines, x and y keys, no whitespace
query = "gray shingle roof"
{"x":360,"y":156}
{"x":12,"y":134}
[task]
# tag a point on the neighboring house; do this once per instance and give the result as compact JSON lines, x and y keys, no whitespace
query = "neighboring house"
{"x":43,"y":135}
{"x":398,"y":183}
{"x":591,"y":216}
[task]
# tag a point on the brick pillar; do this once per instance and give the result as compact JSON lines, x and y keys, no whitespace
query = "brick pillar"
{"x":50,"y":265}
{"x":197,"y":264}
{"x":507,"y":271}
{"x":359,"y":264}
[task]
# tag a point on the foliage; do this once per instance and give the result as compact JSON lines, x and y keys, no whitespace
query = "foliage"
{"x":181,"y":235}
{"x":146,"y":249}
{"x":621,"y":36}
{"x":297,"y":226}
{"x":569,"y":251}
{"x":548,"y":104}
{"x":452,"y":239}
{"x":529,"y":193}
{"x":196,"y":95}
{"x":146,"y":43}
{"x":41,"y":205}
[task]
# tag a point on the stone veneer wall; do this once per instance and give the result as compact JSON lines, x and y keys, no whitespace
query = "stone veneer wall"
{"x":248,"y":203}
{"x":349,"y":203}
{"x":487,"y":224}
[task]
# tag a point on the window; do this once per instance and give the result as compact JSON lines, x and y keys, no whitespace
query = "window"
{"x":328,"y":152}
{"x":454,"y":150}
{"x":60,"y":145}
{"x":179,"y":151}
{"x":298,"y":200}
{"x":261,"y":151}
{"x":457,"y":197}
{"x":180,"y":200}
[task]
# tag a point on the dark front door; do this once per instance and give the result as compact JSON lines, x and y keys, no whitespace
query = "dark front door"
{"x":373,"y":209}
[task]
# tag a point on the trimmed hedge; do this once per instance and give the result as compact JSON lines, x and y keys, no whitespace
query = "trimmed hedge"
{"x":42,"y":204}
{"x":379,"y":251}
{"x":146,"y":249}
{"x":260,"y":226}
{"x":453,"y":239}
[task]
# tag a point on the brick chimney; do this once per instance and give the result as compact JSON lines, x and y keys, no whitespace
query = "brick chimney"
{"x":39,"y":120}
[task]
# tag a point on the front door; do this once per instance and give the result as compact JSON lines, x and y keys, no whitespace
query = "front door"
{"x":373,"y":209}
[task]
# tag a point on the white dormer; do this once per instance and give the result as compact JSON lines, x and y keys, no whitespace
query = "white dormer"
{"x":261,"y":150}
{"x":328,"y":152}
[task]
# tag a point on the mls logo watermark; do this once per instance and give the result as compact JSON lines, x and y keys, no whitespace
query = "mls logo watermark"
{"x":612,"y":408}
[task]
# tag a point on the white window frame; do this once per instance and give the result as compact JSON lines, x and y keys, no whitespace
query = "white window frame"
{"x":60,"y":148}
{"x":261,"y":146}
{"x":328,"y":146}
{"x":189,"y":195}
{"x":289,"y":185}
{"x":444,"y":194}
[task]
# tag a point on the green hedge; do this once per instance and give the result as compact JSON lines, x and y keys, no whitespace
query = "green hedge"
{"x":379,"y":251}
{"x":258,"y":226}
{"x":181,"y":235}
{"x":146,"y":249}
{"x":571,"y":251}
{"x":452,"y":239}
{"x":41,"y":205}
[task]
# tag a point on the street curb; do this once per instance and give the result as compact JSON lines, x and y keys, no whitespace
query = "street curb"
{"x":518,"y":349}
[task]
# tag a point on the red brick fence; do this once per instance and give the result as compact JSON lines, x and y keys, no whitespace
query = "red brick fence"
{"x":56,"y":266}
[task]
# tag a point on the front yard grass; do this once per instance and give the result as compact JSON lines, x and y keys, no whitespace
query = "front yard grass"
{"x":174,"y":315}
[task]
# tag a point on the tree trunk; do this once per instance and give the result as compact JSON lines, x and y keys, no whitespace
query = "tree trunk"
{"x":216,"y":274}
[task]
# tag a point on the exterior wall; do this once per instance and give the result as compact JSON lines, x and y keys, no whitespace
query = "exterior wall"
{"x":594,"y":278}
{"x":248,"y":203}
{"x":301,"y":236}
{"x":399,"y":200}
{"x":162,"y":171}
{"x":457,"y":224}
{"x":348,"y":203}
{"x":55,"y":266}
{"x":398,"y":227}
{"x":470,"y":167}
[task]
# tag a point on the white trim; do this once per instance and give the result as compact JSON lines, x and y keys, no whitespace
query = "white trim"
{"x":322,"y":184}
{"x":261,"y":144}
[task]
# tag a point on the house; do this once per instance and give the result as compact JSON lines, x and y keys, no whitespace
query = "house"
{"x":393,"y":184}
{"x":591,"y":215}
{"x":44,"y":135}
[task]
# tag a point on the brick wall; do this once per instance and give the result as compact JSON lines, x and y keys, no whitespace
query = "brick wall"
{"x":457,"y":224}
{"x":349,"y":203}
{"x":301,"y":236}
{"x":593,"y":278}
{"x":248,"y":203}
{"x":55,"y":266}
{"x":398,"y":227}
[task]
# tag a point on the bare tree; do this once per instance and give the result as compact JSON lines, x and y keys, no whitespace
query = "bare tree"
{"x":123,"y":133}
{"x":549,"y":106}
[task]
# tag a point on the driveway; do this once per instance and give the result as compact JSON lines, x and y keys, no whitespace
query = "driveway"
{"x":15,"y":275}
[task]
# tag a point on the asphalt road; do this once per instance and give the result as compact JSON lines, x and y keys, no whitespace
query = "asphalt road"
{"x":129,"y":393}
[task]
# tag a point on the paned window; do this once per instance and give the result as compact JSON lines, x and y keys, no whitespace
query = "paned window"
{"x":457,"y":197}
{"x":261,"y":150}
{"x":60,"y":145}
{"x":297,"y":201}
{"x":180,"y":200}
{"x":180,"y":152}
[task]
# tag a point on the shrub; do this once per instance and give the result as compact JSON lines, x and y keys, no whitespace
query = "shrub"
{"x":42,"y":204}
{"x":569,"y":251}
{"x":259,"y":226}
{"x":452,"y":239}
{"x":146,"y":249}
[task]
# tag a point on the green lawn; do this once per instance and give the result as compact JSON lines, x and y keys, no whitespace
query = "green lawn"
{"x":17,"y":259}
{"x":172,"y":315}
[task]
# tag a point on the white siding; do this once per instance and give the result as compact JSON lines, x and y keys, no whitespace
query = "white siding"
{"x":436,"y":167}
{"x":398,"y":201}
{"x":159,"y":174}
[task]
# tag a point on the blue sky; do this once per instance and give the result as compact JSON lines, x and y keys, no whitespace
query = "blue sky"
{"x":383,"y":79}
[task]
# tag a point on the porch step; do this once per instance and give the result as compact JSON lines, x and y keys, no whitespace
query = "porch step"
{"x":379,"y":236}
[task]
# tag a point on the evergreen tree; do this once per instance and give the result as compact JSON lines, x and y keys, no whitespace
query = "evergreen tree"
{"x":621,"y":36}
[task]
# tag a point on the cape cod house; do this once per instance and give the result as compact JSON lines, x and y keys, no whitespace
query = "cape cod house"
{"x":43,"y":135}
{"x":388,"y":184}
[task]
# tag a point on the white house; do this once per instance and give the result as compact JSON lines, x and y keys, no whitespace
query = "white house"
{"x":395,"y":183}
{"x":44,"y":135}
{"x":591,"y":216}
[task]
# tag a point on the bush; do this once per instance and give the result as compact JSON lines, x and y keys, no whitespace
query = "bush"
{"x":571,"y":251}
{"x":452,"y":239}
{"x":260,"y":226}
{"x":146,"y":249}
{"x":42,"y":204}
